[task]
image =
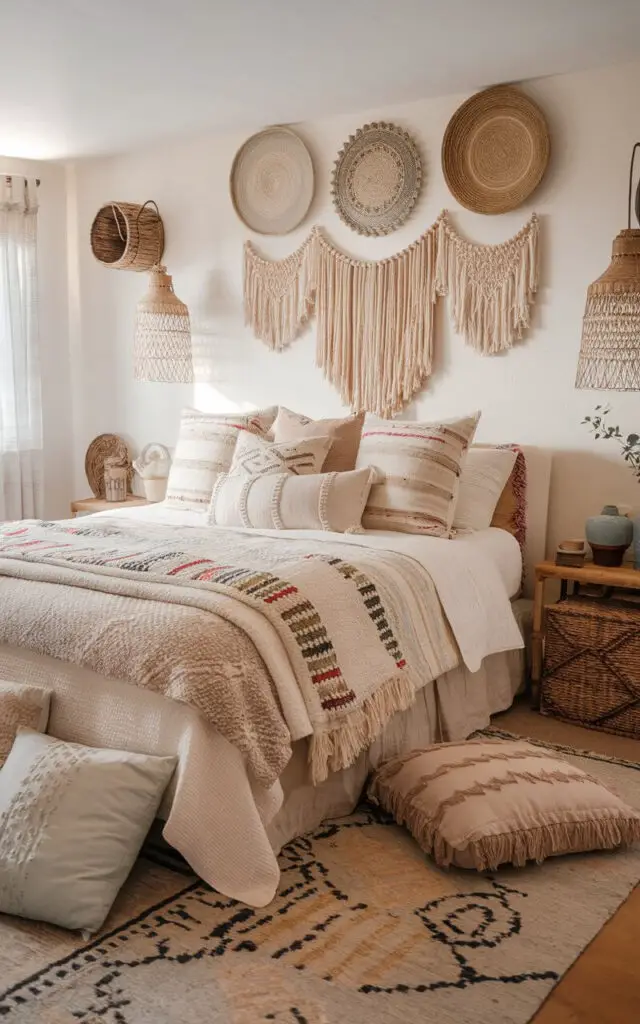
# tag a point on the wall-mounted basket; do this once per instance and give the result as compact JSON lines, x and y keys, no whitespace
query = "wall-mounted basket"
{"x":127,"y":236}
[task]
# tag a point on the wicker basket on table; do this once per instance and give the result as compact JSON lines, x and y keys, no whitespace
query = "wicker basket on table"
{"x":592,"y":664}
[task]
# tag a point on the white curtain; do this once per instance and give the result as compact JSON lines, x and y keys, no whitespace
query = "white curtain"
{"x":20,"y":400}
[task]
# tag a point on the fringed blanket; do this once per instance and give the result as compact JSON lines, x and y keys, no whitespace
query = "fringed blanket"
{"x":342,"y":645}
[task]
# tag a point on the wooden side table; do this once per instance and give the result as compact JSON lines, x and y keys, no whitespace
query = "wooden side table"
{"x":85,"y":506}
{"x":624,"y":576}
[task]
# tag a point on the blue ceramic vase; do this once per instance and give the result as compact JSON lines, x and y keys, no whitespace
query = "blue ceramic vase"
{"x":609,"y":535}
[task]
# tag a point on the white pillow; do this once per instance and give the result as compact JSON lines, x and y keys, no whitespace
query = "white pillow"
{"x":204,"y":449}
{"x":283,"y":501}
{"x":256,"y":457}
{"x":72,"y":820}
{"x":418,"y":468}
{"x":485,"y":472}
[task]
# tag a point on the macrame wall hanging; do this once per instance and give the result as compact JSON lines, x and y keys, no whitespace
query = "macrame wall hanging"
{"x":376,"y":318}
{"x":491,"y":287}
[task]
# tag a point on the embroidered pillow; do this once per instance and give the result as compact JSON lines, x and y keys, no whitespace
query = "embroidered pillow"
{"x":484,"y":475}
{"x":21,"y":705}
{"x":72,"y":820}
{"x":511,"y":511}
{"x":283,"y":501}
{"x":256,"y":457}
{"x":204,"y":449}
{"x":345,"y":434}
{"x":419,"y":469}
{"x":488,"y":802}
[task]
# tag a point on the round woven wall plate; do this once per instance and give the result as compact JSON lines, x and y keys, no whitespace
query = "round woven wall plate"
{"x":272,"y":181}
{"x":105,"y":446}
{"x":495,"y":150}
{"x":376,"y":179}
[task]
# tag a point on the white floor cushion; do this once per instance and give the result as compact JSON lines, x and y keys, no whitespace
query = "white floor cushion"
{"x":72,"y":820}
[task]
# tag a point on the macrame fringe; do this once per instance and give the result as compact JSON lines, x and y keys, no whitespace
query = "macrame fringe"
{"x":518,"y":847}
{"x":491,"y":286}
{"x":338,"y":748}
{"x":376,"y":319}
{"x":375,"y":324}
{"x":279,"y":294}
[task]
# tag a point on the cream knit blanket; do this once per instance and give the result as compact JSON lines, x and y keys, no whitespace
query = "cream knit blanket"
{"x":326,"y":613}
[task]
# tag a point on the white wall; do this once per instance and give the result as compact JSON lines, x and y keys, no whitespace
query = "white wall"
{"x":54,"y":352}
{"x":526,"y":395}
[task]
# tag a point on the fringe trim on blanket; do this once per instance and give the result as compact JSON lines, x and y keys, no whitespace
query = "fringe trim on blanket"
{"x":518,"y":847}
{"x":337,"y":747}
{"x":492,"y":287}
{"x":279,"y":294}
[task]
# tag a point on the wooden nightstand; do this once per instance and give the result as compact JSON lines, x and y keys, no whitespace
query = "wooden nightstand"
{"x":624,"y":576}
{"x":85,"y":506}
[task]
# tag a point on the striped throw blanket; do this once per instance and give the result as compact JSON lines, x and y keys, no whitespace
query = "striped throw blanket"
{"x":327,"y":612}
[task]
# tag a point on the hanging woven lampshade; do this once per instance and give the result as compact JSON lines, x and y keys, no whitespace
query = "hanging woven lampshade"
{"x":162,"y":345}
{"x":610,"y":347}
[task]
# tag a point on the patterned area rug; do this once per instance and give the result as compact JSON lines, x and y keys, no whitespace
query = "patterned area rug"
{"x":363,"y":930}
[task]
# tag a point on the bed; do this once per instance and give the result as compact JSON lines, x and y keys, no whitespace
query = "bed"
{"x":226,"y":815}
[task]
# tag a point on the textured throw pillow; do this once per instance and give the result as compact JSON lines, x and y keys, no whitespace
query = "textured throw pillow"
{"x":419,"y":469}
{"x":488,"y":802}
{"x":72,"y":820}
{"x":283,"y":501}
{"x":256,"y":457}
{"x":345,"y":434}
{"x":204,"y":449}
{"x":511,"y":511}
{"x":485,"y":472}
{"x":21,"y":705}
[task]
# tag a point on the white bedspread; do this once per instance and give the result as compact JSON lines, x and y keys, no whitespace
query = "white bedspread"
{"x":470,"y":580}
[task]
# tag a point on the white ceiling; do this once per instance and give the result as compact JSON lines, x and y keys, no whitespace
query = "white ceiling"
{"x":80,"y":77}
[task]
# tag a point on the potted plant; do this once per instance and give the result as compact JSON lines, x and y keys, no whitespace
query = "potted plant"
{"x":630,"y":445}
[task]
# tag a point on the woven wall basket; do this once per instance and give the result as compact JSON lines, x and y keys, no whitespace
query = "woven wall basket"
{"x":495,"y":150}
{"x":376,"y":179}
{"x":127,"y":236}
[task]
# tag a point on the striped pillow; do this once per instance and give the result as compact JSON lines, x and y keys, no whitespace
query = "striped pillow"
{"x":205,"y":448}
{"x":256,"y":457}
{"x":418,"y":468}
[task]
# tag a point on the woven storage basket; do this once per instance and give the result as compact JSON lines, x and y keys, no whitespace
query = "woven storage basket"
{"x":127,"y":236}
{"x":592,"y":665}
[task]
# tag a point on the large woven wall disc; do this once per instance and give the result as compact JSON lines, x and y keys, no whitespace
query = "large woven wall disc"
{"x":495,"y":150}
{"x":272,"y":181}
{"x":377,"y":179}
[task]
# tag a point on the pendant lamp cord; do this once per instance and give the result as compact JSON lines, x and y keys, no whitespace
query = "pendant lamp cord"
{"x":633,"y":157}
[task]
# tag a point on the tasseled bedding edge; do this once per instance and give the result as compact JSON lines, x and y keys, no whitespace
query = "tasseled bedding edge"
{"x":332,"y":749}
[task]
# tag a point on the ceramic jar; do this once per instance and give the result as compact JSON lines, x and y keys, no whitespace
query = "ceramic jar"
{"x":609,"y":535}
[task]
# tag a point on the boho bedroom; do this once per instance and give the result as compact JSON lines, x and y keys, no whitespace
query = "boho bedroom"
{"x":320,"y":513}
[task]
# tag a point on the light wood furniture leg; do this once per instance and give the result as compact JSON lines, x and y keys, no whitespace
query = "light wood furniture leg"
{"x":536,"y":640}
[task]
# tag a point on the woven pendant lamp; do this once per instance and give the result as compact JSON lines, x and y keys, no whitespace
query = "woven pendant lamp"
{"x":610,"y":348}
{"x":162,"y":345}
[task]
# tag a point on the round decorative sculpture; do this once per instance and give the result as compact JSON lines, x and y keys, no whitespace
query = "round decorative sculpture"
{"x":106,"y":446}
{"x":272,"y":181}
{"x":495,"y":150}
{"x":376,"y":179}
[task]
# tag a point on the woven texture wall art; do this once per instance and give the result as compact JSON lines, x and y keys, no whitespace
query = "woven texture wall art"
{"x":375,"y":329}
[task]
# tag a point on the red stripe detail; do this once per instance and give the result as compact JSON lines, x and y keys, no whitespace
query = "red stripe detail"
{"x":338,"y":702}
{"x":397,"y":433}
{"x":401,"y":664}
{"x":281,"y":593}
{"x":320,"y":677}
{"x":187,"y":565}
